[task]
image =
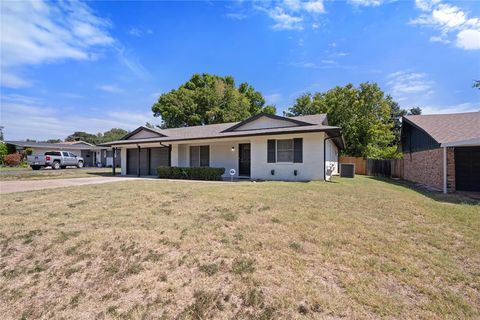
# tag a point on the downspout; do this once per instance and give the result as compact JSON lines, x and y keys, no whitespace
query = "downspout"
{"x":444,"y":169}
{"x":325,"y":155}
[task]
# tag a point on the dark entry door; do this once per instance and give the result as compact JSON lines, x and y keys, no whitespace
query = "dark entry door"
{"x":467,"y":168}
{"x":244,"y":159}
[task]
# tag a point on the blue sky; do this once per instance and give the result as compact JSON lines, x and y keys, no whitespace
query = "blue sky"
{"x":92,"y":66}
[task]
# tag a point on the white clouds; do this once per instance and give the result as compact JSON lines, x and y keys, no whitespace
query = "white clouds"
{"x":136,"y":32}
{"x":284,"y":21}
{"x":449,"y":19}
{"x":43,"y":32}
{"x":11,"y":80}
{"x":461,"y":107}
{"x":366,"y":3}
{"x":236,"y":16}
{"x":110,"y":88}
{"x":405,"y":84}
{"x":468,"y":39}
{"x":273,"y":98}
{"x":41,"y":121}
{"x":314,"y":6}
{"x":293,"y":14}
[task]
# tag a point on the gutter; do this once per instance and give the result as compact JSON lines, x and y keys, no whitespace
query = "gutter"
{"x":325,"y":154}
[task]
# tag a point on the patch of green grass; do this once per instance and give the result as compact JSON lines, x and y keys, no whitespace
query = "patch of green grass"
{"x":210,"y":269}
{"x":243,"y":265}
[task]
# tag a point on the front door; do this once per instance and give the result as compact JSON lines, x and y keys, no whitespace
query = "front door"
{"x":244,"y":159}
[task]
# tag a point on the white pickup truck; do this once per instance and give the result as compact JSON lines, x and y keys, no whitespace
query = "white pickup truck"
{"x":55,"y":159}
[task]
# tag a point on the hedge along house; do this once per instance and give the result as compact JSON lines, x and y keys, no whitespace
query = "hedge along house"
{"x":443,"y":150}
{"x":265,"y":146}
{"x":91,"y":154}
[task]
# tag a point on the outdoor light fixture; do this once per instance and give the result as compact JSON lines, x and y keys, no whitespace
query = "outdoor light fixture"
{"x":233,"y":148}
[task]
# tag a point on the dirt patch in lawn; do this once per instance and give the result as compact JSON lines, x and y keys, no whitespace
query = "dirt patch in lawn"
{"x":358,"y":248}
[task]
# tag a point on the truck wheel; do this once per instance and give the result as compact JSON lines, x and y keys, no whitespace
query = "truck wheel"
{"x":80,"y":164}
{"x":35,"y":167}
{"x":56,"y":165}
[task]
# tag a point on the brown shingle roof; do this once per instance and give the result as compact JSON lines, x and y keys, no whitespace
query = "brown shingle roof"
{"x":316,"y":123}
{"x":447,"y":128}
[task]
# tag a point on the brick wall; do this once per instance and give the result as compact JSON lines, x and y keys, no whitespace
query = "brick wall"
{"x":425,"y":167}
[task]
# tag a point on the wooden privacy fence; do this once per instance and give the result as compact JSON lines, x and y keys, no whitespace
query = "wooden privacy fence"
{"x":376,"y":167}
{"x":360,"y":163}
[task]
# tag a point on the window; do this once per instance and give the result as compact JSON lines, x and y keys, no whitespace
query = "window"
{"x":71,"y":155}
{"x":65,"y":154}
{"x":53,"y":153}
{"x":199,"y":156}
{"x":285,"y":150}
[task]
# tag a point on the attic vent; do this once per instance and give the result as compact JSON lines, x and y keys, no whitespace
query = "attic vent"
{"x":347,"y":170}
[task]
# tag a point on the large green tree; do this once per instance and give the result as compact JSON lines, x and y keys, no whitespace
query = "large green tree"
{"x":110,"y":135}
{"x":209,"y":99}
{"x":83,"y":136}
{"x":364,"y":113}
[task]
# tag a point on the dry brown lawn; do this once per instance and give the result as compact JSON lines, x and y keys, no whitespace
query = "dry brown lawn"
{"x":9,"y":174}
{"x":359,"y":248}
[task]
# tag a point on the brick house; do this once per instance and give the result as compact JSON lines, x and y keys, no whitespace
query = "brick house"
{"x":442,"y":150}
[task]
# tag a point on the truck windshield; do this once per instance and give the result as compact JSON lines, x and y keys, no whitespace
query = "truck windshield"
{"x":52,"y":153}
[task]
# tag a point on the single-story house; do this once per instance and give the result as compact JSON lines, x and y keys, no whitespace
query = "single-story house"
{"x":91,"y":154}
{"x":442,"y":150}
{"x":264,"y":146}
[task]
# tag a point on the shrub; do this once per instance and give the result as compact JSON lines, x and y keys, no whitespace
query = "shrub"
{"x":12,"y":160}
{"x":3,"y":151}
{"x":28,"y":151}
{"x":194,"y":173}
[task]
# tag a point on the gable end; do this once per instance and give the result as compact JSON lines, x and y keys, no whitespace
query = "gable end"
{"x":265,"y":121}
{"x":142,"y":133}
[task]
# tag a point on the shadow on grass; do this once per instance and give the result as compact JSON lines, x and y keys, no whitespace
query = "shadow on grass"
{"x":454,"y":198}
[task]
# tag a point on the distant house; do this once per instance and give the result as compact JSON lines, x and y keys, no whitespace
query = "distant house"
{"x":264,"y":146}
{"x":443,"y":150}
{"x":91,"y":154}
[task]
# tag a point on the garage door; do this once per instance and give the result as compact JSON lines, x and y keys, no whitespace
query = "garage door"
{"x":467,"y":169}
{"x":158,"y":157}
{"x":132,"y":162}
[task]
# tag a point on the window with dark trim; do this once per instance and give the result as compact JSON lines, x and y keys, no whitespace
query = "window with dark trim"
{"x":199,"y":156}
{"x":285,"y":150}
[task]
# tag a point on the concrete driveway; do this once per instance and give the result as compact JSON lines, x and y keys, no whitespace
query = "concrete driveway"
{"x":20,"y":186}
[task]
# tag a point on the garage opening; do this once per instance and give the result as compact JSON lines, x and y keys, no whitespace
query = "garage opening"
{"x":467,"y":168}
{"x":150,"y":159}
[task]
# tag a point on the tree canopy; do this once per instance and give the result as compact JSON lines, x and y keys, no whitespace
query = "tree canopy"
{"x":107,"y":136}
{"x":370,"y":120}
{"x":209,"y":99}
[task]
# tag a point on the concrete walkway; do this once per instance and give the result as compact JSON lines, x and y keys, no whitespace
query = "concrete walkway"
{"x":20,"y":186}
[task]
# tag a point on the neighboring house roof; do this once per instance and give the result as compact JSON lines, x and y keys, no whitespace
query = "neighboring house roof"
{"x":76,"y":142}
{"x":449,"y":129}
{"x":142,"y":128}
{"x":53,"y":146}
{"x":301,"y":124}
